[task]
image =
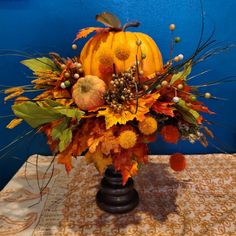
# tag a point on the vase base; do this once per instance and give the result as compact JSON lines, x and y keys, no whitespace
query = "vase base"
{"x":118,"y":209}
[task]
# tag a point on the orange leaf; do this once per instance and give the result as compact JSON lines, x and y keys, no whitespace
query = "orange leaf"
{"x":101,"y":161}
{"x":164,"y":108}
{"x":208,"y":132}
{"x":198,"y":107}
{"x":199,"y":119}
{"x":170,"y":133}
{"x":83,"y":33}
{"x":127,"y":161}
{"x":65,"y":158}
{"x":122,"y":159}
{"x":14,"y":123}
{"x":13,"y":95}
{"x":140,"y":152}
{"x":129,"y":171}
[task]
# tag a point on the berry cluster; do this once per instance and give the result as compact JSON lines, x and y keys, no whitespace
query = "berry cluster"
{"x":122,"y":89}
{"x":71,"y":72}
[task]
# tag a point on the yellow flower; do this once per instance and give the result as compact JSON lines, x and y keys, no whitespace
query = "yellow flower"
{"x":144,"y":104}
{"x":127,"y":139}
{"x":148,"y":126}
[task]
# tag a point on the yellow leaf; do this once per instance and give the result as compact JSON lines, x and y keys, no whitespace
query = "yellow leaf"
{"x":101,"y":162}
{"x":106,"y":141}
{"x":14,"y":123}
{"x":13,"y":95}
{"x":13,"y":90}
{"x":21,"y":99}
{"x":93,"y":143}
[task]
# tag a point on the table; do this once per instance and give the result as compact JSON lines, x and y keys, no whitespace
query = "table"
{"x":198,"y":201}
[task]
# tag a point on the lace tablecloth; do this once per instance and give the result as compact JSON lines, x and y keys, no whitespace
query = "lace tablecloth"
{"x":198,"y":201}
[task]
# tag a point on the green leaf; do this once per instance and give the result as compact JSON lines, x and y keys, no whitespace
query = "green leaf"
{"x":35,"y":115}
{"x":65,"y":139}
{"x":58,"y":130}
{"x":52,"y":103}
{"x":40,"y":64}
{"x":188,"y":117}
{"x":182,"y":74}
{"x":64,"y":110}
{"x":69,"y":112}
{"x":188,"y":114}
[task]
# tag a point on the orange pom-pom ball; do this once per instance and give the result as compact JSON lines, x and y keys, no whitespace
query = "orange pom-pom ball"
{"x":177,"y":162}
{"x":148,"y":126}
{"x":127,"y":139}
{"x":170,"y":133}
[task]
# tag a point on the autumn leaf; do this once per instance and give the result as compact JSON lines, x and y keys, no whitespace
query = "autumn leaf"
{"x":140,"y":152}
{"x":188,"y":114}
{"x":40,"y":64}
{"x":105,"y":141}
{"x":164,"y":108}
{"x":129,"y":172}
{"x":33,"y":114}
{"x":208,"y":132}
{"x":101,"y":161}
{"x":75,"y":148}
{"x":13,"y":95}
{"x":182,"y":74}
{"x":108,"y":19}
{"x":201,"y":108}
{"x":83,"y":33}
{"x":13,"y":90}
{"x":93,"y":143}
{"x":65,"y":158}
{"x":65,"y":139}
{"x":14,"y":123}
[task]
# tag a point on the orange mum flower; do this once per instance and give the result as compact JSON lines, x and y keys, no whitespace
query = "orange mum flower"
{"x":170,"y":133}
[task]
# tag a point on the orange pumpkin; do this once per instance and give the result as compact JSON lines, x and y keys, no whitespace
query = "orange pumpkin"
{"x":118,"y":48}
{"x":88,"y":92}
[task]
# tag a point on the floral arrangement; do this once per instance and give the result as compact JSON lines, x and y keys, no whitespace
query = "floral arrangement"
{"x":113,"y":99}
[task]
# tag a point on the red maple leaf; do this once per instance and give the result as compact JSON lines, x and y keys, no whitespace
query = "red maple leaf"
{"x":83,"y":33}
{"x":199,"y":107}
{"x":164,"y":108}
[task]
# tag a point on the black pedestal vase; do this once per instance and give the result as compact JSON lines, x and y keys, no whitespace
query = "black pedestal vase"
{"x":113,"y":197}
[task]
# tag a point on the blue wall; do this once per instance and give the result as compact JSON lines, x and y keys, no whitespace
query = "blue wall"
{"x":42,"y":26}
